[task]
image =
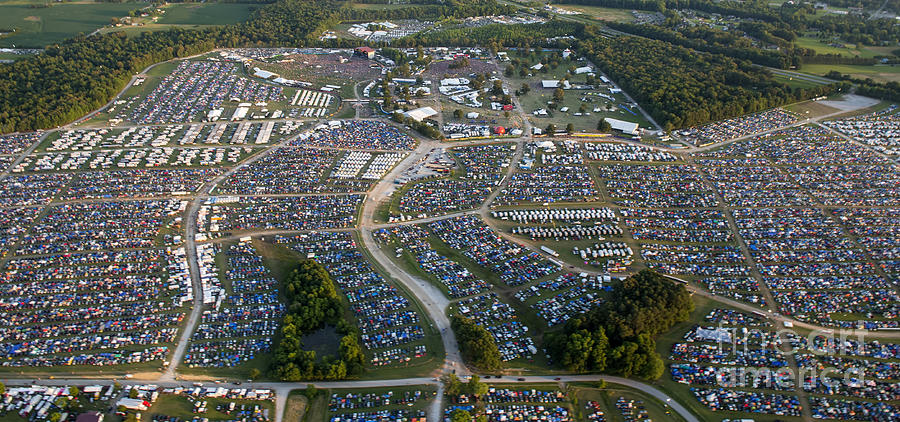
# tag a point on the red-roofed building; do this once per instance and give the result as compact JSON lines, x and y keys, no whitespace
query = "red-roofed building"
{"x":367,"y":52}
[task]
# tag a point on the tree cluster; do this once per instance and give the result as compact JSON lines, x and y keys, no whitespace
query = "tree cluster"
{"x":313,"y":303}
{"x":495,"y":35}
{"x":476,"y":344}
{"x":680,"y":87}
{"x":617,"y":337}
{"x":889,"y":91}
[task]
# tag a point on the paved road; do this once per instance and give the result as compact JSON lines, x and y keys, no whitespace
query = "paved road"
{"x":282,"y":389}
{"x":191,"y":254}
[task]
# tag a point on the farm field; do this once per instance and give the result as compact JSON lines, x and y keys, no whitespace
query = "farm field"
{"x":206,"y":13}
{"x":38,"y":27}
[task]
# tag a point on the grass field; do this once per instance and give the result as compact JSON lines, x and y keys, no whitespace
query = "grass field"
{"x":206,"y":13}
{"x":824,"y":48}
{"x":811,"y":109}
{"x":607,"y":397}
{"x":180,"y":406}
{"x":850,"y":50}
{"x":602,"y":13}
{"x":795,"y":82}
{"x":38,"y":27}
{"x":878,"y":73}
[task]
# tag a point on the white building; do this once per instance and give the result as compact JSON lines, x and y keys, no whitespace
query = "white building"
{"x":420,"y":114}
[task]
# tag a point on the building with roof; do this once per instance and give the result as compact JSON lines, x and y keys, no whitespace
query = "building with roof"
{"x":421,"y":113}
{"x":623,"y":126}
{"x":367,"y":52}
{"x":553,"y":84}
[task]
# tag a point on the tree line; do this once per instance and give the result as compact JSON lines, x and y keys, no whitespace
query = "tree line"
{"x":618,"y":336}
{"x":496,"y":35}
{"x":889,"y":91}
{"x":313,"y":303}
{"x":680,"y":87}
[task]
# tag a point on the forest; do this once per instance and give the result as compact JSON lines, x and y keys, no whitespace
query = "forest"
{"x":618,"y":336}
{"x":680,"y":87}
{"x":313,"y":304}
{"x":497,"y":35}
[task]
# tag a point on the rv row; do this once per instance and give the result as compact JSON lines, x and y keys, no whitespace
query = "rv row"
{"x":604,"y":250}
{"x":557,"y":214}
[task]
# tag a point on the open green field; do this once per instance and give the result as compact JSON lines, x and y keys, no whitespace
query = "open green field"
{"x":879,"y":73}
{"x":13,"y":56}
{"x":602,"y":13}
{"x":824,"y":48}
{"x":181,"y":406}
{"x":365,"y":6}
{"x":795,"y":82}
{"x":206,"y":13}
{"x":38,"y":27}
{"x":317,"y":410}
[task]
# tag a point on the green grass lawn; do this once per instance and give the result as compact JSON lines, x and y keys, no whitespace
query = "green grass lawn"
{"x":878,"y":73}
{"x":38,"y":27}
{"x":795,"y":82}
{"x":181,"y":406}
{"x":602,"y":13}
{"x":206,"y":13}
{"x":851,"y":50}
{"x":13,"y":56}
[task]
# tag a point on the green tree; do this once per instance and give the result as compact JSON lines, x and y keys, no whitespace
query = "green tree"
{"x":570,"y":128}
{"x":477,"y":345}
{"x":255,"y":373}
{"x":453,"y":386}
{"x":311,"y":391}
{"x":604,"y":126}
{"x":558,"y":95}
{"x":476,"y":387}
{"x":460,"y":415}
